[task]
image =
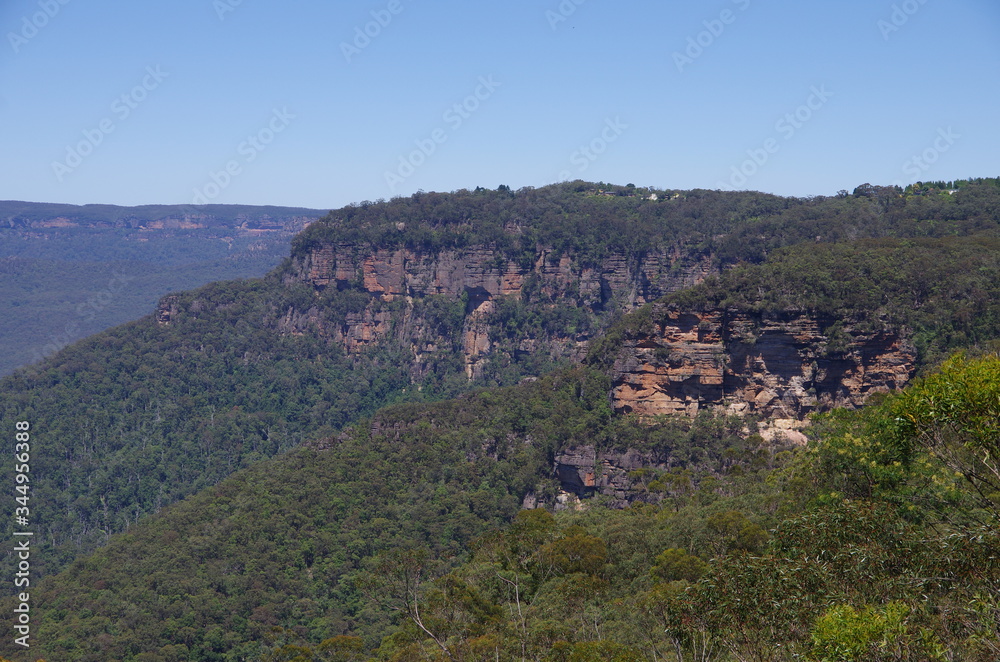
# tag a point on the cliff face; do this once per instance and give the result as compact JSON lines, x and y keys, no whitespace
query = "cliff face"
{"x":583,"y":471}
{"x":780,"y":366}
{"x":481,"y":276}
{"x":485,"y":273}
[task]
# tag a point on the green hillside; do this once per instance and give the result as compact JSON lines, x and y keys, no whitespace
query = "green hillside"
{"x":142,"y":415}
{"x":280,"y":543}
{"x":211,"y":403}
{"x":145,"y":414}
{"x":389,"y":542}
{"x":878,"y":542}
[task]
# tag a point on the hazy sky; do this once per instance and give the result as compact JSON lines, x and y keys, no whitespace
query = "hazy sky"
{"x":319,"y":104}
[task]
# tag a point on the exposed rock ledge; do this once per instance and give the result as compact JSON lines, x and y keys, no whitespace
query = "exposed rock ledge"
{"x":481,"y":274}
{"x":781,"y":366}
{"x":582,"y":471}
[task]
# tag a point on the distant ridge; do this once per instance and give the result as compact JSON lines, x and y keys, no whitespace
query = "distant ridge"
{"x":69,"y":271}
{"x":16,"y":213}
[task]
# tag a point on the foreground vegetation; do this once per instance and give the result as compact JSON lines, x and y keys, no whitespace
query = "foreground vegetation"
{"x":878,"y":542}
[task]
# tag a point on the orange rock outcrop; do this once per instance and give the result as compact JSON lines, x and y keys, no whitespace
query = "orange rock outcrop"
{"x":778,"y":366}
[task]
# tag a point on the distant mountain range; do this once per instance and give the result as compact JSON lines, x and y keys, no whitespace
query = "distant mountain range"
{"x":68,"y":271}
{"x":14,"y":214}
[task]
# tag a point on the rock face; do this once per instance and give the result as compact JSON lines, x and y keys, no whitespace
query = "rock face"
{"x":486,"y":273}
{"x":781,"y":366}
{"x":583,"y":472}
{"x":166,"y":309}
{"x":481,"y":276}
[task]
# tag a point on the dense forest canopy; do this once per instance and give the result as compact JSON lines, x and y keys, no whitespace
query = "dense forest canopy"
{"x":401,"y":540}
{"x":127,"y":408}
{"x":592,"y":220}
{"x":877,"y":542}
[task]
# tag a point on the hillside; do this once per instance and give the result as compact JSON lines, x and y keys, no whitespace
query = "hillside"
{"x":417,"y":298}
{"x":310,"y":555}
{"x":433,"y":476}
{"x":877,"y":542}
{"x":425,"y":298}
{"x":67,"y":271}
{"x":218,"y":378}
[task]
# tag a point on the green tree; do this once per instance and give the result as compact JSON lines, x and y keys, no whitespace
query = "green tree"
{"x":846,"y":634}
{"x":954,"y":415}
{"x":676,"y":564}
{"x":399,"y":582}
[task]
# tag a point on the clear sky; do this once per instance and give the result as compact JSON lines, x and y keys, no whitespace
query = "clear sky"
{"x":292,"y":103}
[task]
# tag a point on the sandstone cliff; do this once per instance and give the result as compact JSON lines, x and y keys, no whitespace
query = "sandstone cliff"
{"x":480,"y":275}
{"x":486,"y":273}
{"x":780,"y":366}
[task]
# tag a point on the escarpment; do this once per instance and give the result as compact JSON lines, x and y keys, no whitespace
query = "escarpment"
{"x":398,"y":280}
{"x":778,"y":366}
{"x":781,"y":365}
{"x":635,"y":278}
{"x":478,"y":306}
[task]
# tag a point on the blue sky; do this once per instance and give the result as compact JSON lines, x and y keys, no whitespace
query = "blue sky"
{"x":260,"y":102}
